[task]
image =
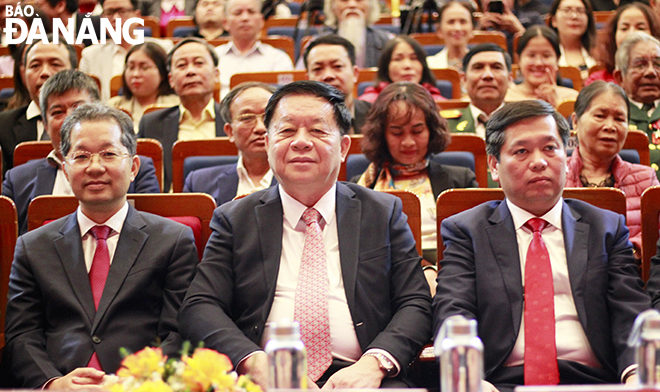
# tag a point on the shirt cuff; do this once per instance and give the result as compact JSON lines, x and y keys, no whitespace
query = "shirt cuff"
{"x":389,"y":356}
{"x":629,"y":371}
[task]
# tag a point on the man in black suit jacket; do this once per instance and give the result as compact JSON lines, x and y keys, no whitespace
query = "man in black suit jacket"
{"x":66,"y":9}
{"x":379,"y":299}
{"x":194,"y":85}
{"x":23,"y":124}
{"x":595,"y":287}
{"x":63,"y":331}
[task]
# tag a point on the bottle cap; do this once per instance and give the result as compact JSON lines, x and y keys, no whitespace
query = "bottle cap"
{"x":284,"y":327}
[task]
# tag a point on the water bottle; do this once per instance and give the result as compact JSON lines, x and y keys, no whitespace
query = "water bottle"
{"x":287,"y":357}
{"x":461,"y":355}
{"x":645,"y":338}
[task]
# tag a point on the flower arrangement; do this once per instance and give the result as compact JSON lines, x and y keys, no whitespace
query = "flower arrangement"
{"x":205,"y":371}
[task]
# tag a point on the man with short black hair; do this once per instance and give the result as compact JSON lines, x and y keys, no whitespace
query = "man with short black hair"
{"x":67,"y":12}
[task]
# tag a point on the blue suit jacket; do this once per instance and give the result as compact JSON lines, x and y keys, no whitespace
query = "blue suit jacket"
{"x":480,"y":278}
{"x":36,"y":178}
{"x":221,"y":182}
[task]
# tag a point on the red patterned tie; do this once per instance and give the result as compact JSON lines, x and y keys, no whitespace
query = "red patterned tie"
{"x":540,"y":347}
{"x":311,"y":300}
{"x":98,"y":274}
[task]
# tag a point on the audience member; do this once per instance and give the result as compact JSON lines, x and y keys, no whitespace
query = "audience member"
{"x":209,"y":19}
{"x":486,"y":77}
{"x":166,"y":10}
{"x":402,"y":60}
{"x":573,"y":21}
{"x":331,"y":59}
{"x":107,"y":60}
{"x":242,"y":110}
{"x":145,"y":82}
{"x":24,"y":123}
{"x":60,"y":95}
{"x":455,"y":27}
{"x":552,"y":283}
{"x":193,"y":73}
{"x":245,"y":53}
{"x":511,"y":18}
{"x":21,"y":95}
{"x":539,"y":53}
{"x":103,"y":278}
{"x":67,"y":12}
{"x":626,"y":20}
{"x":371,"y":301}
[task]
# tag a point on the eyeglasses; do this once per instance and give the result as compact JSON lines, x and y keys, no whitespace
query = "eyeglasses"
{"x":640,"y":65}
{"x":568,"y":11}
{"x":121,"y":12}
{"x":250,"y":119}
{"x":107,"y":158}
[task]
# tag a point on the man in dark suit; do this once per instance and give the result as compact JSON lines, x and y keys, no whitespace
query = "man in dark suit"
{"x":193,"y":73}
{"x":23,"y":124}
{"x":102,"y":278}
{"x":486,"y":76}
{"x":59,"y":96}
{"x":242,"y":110}
{"x":493,"y":264}
{"x":331,"y":59}
{"x":67,"y":9}
{"x":372,"y":293}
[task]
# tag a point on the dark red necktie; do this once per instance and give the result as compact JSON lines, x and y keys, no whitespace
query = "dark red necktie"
{"x":98,"y":274}
{"x":540,"y":346}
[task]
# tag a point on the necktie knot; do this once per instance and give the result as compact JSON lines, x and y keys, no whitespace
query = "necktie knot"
{"x":101,"y":232}
{"x":648,"y":106}
{"x":483,"y":118}
{"x":536,"y":224}
{"x":311,"y":215}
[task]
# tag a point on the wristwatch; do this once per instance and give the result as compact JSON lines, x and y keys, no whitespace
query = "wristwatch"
{"x":384,"y":363}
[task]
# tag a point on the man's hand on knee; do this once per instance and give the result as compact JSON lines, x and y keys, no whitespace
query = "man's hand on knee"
{"x":80,"y":378}
{"x":365,"y":373}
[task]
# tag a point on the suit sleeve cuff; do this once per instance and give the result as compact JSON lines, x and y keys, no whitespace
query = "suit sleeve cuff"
{"x":246,"y":357}
{"x":389,"y":356}
{"x":47,"y":383}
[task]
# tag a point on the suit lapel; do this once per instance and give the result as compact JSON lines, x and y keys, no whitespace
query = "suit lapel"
{"x":45,"y":181}
{"x":269,"y":225}
{"x":69,"y":249}
{"x":507,"y":257}
{"x":348,"y":213}
{"x":25,"y":129}
{"x":219,"y":122}
{"x":439,"y":179}
{"x":576,"y":237}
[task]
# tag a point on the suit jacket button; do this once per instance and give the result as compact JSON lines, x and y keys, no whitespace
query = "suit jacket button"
{"x":96,"y":339}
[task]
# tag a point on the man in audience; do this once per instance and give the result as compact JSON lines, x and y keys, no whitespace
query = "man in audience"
{"x":193,"y":74}
{"x":637,"y":71}
{"x":103,"y":278}
{"x":68,"y":9}
{"x":107,"y":60}
{"x":245,"y":53}
{"x":363,"y":306}
{"x":552,"y":283}
{"x":486,"y":77}
{"x":209,"y":19}
{"x":331,"y":59}
{"x":23,"y":124}
{"x":59,"y":96}
{"x":242,"y":110}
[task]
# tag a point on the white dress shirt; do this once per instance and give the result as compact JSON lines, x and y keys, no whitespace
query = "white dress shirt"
{"x":61,"y":187}
{"x":245,"y":183}
{"x":116,"y":222}
{"x":32,"y":112}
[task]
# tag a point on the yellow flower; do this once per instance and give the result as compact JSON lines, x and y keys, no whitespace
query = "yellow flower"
{"x":154,"y":386}
{"x":247,"y":384}
{"x":207,"y":368}
{"x":143,"y":363}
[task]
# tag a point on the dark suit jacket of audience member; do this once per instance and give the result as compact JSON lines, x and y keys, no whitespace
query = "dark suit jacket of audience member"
{"x":361,"y":109}
{"x":163,"y":125}
{"x":15,"y":128}
{"x":96,"y":25}
{"x":36,"y":178}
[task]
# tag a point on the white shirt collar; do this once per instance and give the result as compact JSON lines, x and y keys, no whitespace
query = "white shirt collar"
{"x":32,"y":111}
{"x":232,"y":48}
{"x":293,"y":209}
{"x":116,"y":222}
{"x":521,"y":216}
{"x":639,"y":104}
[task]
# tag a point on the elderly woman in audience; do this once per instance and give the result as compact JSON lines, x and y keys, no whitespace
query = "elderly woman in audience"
{"x":456,"y":28}
{"x":601,"y":124}
{"x":402,"y":131}
{"x":145,"y":82}
{"x":626,"y":20}
{"x":573,"y":21}
{"x":539,"y":53}
{"x":402,"y":60}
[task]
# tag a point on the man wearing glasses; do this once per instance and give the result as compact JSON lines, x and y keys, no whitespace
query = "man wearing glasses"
{"x":105,"y":277}
{"x":107,"y":60}
{"x":243,"y":111}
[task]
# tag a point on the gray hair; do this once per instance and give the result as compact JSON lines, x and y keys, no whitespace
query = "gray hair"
{"x":228,"y":100}
{"x":373,"y":12}
{"x":622,"y":56}
{"x":98,"y":111}
{"x":63,"y":82}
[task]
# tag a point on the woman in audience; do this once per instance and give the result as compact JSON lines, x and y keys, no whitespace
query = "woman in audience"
{"x":456,"y":28}
{"x":538,"y":51}
{"x":627,"y":19}
{"x":145,"y":81}
{"x":601,"y":124}
{"x":403,"y":130}
{"x":402,"y":60}
{"x":573,"y":21}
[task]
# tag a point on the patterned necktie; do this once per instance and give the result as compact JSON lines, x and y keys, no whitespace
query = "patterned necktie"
{"x":311,"y":298}
{"x":98,"y":274}
{"x":540,"y":347}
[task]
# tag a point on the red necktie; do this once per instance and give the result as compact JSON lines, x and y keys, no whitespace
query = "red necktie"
{"x":540,"y":346}
{"x":98,"y":274}
{"x":311,"y":299}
